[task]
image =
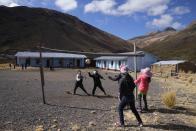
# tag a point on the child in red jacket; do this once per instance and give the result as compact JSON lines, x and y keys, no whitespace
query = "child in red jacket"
{"x":143,"y":84}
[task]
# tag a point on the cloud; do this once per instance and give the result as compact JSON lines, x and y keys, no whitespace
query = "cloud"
{"x":110,"y":7}
{"x":135,"y":6}
{"x":180,"y":10}
{"x":157,"y":10}
{"x":164,"y":21}
{"x":66,"y":5}
{"x":177,"y":25}
{"x":103,"y":6}
{"x":9,"y":3}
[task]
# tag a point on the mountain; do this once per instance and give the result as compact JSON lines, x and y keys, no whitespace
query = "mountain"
{"x":146,"y":40}
{"x":23,"y":28}
{"x":177,"y":45}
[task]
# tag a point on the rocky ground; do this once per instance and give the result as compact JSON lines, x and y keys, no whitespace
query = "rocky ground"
{"x":21,"y":106}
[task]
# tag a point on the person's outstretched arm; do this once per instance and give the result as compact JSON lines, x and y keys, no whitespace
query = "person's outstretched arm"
{"x":90,"y":74}
{"x":137,"y":81}
{"x":101,"y":77}
{"x":116,"y":78}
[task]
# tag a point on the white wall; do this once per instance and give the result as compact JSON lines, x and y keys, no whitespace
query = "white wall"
{"x":54,"y":61}
{"x":142,"y":62}
{"x":115,"y":66}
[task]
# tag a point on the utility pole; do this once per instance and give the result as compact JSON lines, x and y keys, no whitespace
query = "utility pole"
{"x":42,"y":74}
{"x":135,"y":68}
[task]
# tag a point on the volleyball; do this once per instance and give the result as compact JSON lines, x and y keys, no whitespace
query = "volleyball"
{"x":88,"y":61}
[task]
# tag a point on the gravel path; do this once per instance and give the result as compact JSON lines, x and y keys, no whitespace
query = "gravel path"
{"x":21,"y":105}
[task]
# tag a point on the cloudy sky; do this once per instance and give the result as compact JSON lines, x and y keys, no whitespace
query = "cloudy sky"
{"x":123,"y":18}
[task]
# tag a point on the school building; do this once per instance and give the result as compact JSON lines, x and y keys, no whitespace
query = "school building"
{"x":114,"y":62}
{"x":50,"y":59}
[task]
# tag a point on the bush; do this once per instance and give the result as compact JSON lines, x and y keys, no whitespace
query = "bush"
{"x":169,"y":99}
{"x":190,"y":80}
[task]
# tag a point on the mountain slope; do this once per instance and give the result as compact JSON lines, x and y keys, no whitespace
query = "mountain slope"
{"x":146,"y":40}
{"x":23,"y":28}
{"x":181,"y":45}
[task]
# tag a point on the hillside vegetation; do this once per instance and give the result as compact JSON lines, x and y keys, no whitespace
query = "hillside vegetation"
{"x":23,"y":28}
{"x":181,"y":45}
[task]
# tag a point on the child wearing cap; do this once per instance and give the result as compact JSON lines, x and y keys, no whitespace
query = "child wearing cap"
{"x":143,"y":85}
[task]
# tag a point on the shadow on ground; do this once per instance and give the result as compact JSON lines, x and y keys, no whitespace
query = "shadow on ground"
{"x":74,"y":107}
{"x":170,"y":126}
{"x":176,"y":110}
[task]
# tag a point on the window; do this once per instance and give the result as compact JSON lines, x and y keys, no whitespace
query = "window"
{"x":105,"y":64}
{"x":112,"y":63}
{"x":37,"y":61}
{"x":61,"y":61}
{"x":119,"y":63}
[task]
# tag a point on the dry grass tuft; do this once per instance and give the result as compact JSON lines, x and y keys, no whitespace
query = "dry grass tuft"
{"x":39,"y":128}
{"x":193,"y":121}
{"x":76,"y":127}
{"x":4,"y":66}
{"x":190,"y":80}
{"x":169,"y":99}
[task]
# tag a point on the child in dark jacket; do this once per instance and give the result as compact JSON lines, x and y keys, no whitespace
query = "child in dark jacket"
{"x":79,"y":80}
{"x":126,"y":95}
{"x":97,"y":82}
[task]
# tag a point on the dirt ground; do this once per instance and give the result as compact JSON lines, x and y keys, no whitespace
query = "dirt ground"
{"x":21,"y":106}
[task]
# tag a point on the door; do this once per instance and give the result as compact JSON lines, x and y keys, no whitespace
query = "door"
{"x":104,"y":64}
{"x":78,"y":63}
{"x":48,"y":63}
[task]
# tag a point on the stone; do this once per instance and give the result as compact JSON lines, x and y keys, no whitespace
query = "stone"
{"x":91,"y":123}
{"x":53,"y":126}
{"x":93,"y":112}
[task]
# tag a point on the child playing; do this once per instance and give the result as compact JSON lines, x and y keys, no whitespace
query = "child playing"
{"x":79,"y":80}
{"x":97,"y":82}
{"x":126,"y":95}
{"x":143,"y":84}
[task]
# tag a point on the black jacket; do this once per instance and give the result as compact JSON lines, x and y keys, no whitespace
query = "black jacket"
{"x":126,"y":84}
{"x":96,"y":77}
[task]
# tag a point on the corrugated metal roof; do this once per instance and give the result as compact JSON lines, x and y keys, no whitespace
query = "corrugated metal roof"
{"x":170,"y":62}
{"x":48,"y":55}
{"x":137,"y":52}
{"x":118,"y":57}
{"x":111,"y":58}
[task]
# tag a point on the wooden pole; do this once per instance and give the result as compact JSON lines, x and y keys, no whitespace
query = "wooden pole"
{"x":42,"y":76}
{"x":135,"y":69}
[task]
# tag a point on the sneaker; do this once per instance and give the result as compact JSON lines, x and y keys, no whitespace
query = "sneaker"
{"x":117,"y":124}
{"x":139,"y":110}
{"x":140,"y":124}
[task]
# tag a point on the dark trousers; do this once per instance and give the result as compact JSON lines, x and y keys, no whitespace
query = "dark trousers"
{"x":125,"y":100}
{"x":140,"y":101}
{"x":79,"y":84}
{"x":100,"y":87}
